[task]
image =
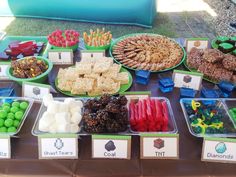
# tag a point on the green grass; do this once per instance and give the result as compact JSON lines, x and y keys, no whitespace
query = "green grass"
{"x":42,"y":27}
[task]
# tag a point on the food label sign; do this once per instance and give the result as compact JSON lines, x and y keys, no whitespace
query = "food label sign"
{"x":219,"y":150}
{"x":111,"y":147}
{"x":5,"y":147}
{"x":159,"y":146}
{"x":59,"y":147}
{"x":3,"y":70}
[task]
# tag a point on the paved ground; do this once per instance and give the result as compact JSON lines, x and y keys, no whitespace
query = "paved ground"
{"x":191,"y":24}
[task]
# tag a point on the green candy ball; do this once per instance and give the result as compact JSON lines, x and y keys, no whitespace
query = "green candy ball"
{"x":16,"y":123}
{"x":6,"y":104}
{"x":16,"y":104}
{"x":11,"y":129}
{"x":14,"y":109}
{"x":3,"y":114}
{"x":10,"y":115}
{"x":3,"y":129}
{"x":24,"y":105}
{"x":6,"y":108}
{"x":19,"y":115}
{"x":1,"y":122}
{"x":8,"y":122}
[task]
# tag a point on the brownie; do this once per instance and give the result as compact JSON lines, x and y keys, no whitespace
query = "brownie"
{"x":194,"y":58}
{"x":229,"y":62}
{"x":221,"y":74}
{"x":233,"y":79}
{"x":213,"y":55}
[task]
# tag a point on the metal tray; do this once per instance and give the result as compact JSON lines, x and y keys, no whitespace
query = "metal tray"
{"x":35,"y":130}
{"x":11,"y":99}
{"x":221,"y":104}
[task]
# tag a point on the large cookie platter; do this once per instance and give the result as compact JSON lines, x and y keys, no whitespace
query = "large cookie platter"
{"x":159,"y":56}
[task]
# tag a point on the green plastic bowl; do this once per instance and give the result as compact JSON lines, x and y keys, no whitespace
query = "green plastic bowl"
{"x":39,"y":79}
{"x":74,"y":47}
{"x":105,"y":47}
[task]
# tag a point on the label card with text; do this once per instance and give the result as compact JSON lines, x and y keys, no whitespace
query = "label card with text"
{"x":58,"y":147}
{"x":219,"y":150}
{"x":92,"y":54}
{"x":187,"y":79}
{"x":35,"y":90}
{"x":5,"y":147}
{"x":3,"y":70}
{"x":111,"y":147}
{"x":159,"y":146}
{"x":61,"y":56}
{"x":199,"y":43}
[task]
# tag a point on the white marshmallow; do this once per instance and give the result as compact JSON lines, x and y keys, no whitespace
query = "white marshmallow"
{"x":53,"y":107}
{"x":46,"y":121}
{"x":75,"y":109}
{"x":47,"y":99}
{"x":63,"y":128}
{"x":74,"y":128}
{"x":62,"y":118}
{"x":53,"y":128}
{"x":63,"y":107}
{"x":76,"y":118}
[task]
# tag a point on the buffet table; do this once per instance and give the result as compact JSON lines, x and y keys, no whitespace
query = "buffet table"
{"x":25,"y":149}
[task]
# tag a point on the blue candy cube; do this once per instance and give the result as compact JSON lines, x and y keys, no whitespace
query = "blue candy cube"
{"x":166,"y":89}
{"x":187,"y":93}
{"x":226,"y":86}
{"x":210,"y":93}
{"x":166,"y":85}
{"x":166,"y":82}
{"x":142,"y":76}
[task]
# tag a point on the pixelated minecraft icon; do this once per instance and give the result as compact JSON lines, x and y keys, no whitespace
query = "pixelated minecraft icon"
{"x":58,"y":144}
{"x":187,"y":79}
{"x":159,"y":143}
{"x":36,"y":91}
{"x":110,"y":146}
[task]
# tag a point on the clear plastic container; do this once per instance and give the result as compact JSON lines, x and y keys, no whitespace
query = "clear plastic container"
{"x":230,"y":104}
{"x":35,"y":130}
{"x":172,"y":127}
{"x":222,"y":106}
{"x":11,"y":99}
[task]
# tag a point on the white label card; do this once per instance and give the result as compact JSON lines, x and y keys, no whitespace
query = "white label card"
{"x":3,"y":71}
{"x":5,"y":148}
{"x":159,"y":146}
{"x":199,"y":43}
{"x":111,"y":148}
{"x":58,"y":148}
{"x":61,"y":57}
{"x":92,"y":54}
{"x":192,"y":80}
{"x":35,"y":90}
{"x":219,"y":150}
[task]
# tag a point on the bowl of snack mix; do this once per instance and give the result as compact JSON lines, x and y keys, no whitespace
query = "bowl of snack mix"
{"x":29,"y":69}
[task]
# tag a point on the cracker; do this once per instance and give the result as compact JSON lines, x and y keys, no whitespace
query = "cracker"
{"x":101,"y":67}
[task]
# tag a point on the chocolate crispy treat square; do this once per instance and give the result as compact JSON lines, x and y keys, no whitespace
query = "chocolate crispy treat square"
{"x":229,"y":62}
{"x":207,"y":69}
{"x":213,"y":55}
{"x":222,"y":74}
